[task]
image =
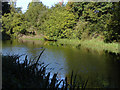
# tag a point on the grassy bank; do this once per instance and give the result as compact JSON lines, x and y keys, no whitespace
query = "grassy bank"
{"x":32,"y":37}
{"x":92,"y":44}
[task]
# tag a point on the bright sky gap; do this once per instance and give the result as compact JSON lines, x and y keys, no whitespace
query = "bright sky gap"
{"x":24,"y":4}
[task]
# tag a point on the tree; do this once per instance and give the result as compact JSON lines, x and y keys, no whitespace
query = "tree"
{"x":12,"y":22}
{"x":94,"y":19}
{"x":33,"y":14}
{"x":59,"y":24}
{"x":114,"y":24}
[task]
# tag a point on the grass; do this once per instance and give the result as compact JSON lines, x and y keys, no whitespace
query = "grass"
{"x":92,"y":44}
{"x":26,"y":74}
{"x":100,"y":45}
{"x":33,"y":38}
{"x":69,"y":41}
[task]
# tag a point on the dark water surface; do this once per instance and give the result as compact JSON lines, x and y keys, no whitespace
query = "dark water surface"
{"x":102,"y":69}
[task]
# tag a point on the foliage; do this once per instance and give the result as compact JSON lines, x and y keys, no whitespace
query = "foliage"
{"x":59,"y":24}
{"x":13,"y":23}
{"x":34,"y":15}
{"x":114,"y":24}
{"x":75,"y":20}
{"x":99,"y":19}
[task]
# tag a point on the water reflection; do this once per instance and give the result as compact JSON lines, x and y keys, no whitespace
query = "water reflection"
{"x":101,"y":68}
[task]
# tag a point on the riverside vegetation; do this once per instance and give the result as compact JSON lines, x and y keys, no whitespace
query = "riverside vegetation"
{"x":83,"y":21}
{"x":92,"y":24}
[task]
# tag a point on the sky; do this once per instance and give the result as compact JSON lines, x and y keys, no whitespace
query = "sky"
{"x":24,"y":3}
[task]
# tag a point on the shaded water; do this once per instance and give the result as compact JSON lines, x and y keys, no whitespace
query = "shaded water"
{"x":102,"y":69}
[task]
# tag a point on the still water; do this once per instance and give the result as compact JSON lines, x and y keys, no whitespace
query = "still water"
{"x":102,"y":69}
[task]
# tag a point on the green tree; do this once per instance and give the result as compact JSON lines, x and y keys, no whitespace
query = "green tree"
{"x":13,"y":23}
{"x":96,"y":19}
{"x":59,"y":24}
{"x":34,"y":13}
{"x":114,"y":24}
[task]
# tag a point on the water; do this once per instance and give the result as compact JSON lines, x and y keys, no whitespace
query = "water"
{"x":102,"y":69}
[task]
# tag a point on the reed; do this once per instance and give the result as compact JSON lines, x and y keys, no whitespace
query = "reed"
{"x":94,"y":44}
{"x":26,"y":74}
